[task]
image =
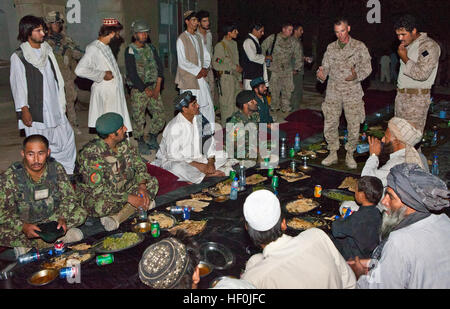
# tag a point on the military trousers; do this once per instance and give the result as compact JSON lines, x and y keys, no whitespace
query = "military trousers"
{"x":413,"y":107}
{"x":230,"y":89}
{"x":354,"y":114}
{"x":212,"y":87}
{"x":297,"y":94}
{"x":281,"y":87}
{"x":71,"y":97}
{"x":140,"y":103}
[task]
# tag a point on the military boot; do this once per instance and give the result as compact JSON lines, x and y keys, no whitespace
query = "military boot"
{"x":72,"y":235}
{"x":152,"y":142}
{"x":350,"y":161}
{"x":143,"y":147}
{"x":331,"y":159}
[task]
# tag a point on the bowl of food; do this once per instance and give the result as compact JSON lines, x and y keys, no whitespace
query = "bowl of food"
{"x":43,"y":277}
{"x":205,"y":269}
{"x":141,"y":227}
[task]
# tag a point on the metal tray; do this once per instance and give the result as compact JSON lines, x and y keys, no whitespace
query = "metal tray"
{"x":100,"y":249}
{"x":175,"y":221}
{"x":323,"y":223}
{"x":347,"y":193}
{"x":299,"y":213}
{"x":46,"y":264}
{"x":209,"y":250}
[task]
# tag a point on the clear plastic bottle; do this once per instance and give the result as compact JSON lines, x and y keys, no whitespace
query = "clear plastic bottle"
{"x":435,"y":166}
{"x":234,"y":189}
{"x":242,"y":178}
{"x":297,"y":145}
{"x":283,"y":149}
{"x":434,"y":141}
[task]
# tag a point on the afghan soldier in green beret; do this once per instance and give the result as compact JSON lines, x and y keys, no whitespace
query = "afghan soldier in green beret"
{"x":145,"y":75}
{"x":113,"y":178}
{"x":33,"y":192}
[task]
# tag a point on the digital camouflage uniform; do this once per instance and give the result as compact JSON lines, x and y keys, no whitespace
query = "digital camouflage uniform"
{"x":337,"y":63}
{"x":144,"y":64}
{"x":67,"y":54}
{"x":18,"y":205}
{"x":281,"y":79}
{"x":225,"y":60}
{"x":417,"y":75}
{"x":107,"y":178}
{"x":235,"y":136}
{"x":297,"y":94}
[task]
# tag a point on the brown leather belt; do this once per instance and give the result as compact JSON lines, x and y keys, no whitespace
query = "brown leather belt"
{"x":414,"y":91}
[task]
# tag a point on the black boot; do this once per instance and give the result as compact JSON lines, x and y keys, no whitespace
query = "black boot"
{"x":152,"y":142}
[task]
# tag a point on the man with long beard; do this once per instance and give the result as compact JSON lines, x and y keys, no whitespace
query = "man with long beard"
{"x":414,"y":252}
{"x":100,"y":66}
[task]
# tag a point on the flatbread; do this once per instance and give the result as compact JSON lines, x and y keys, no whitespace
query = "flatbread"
{"x":201,"y":196}
{"x":294,"y":179}
{"x":349,"y":183}
{"x":301,"y":206}
{"x":190,"y":227}
{"x":80,"y":247}
{"x":255,"y":179}
{"x":322,"y":151}
{"x":301,"y":224}
{"x":163,"y":220}
{"x":61,"y":261}
{"x":306,"y":153}
{"x":195,"y":204}
{"x":288,"y":173}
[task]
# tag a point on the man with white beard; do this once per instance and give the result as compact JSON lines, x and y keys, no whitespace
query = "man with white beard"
{"x":414,"y":252}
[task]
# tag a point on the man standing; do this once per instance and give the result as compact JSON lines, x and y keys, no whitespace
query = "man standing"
{"x":114,"y":179}
{"x":419,"y":61}
{"x":33,"y":192}
{"x":253,"y":61}
{"x":283,"y":48}
{"x":414,"y":252}
{"x":181,"y":151}
{"x":297,"y":94}
{"x":67,"y":53}
{"x":38,"y":90}
{"x":193,"y":63}
{"x":204,"y":26}
{"x":385,"y":74}
{"x":100,"y":66}
{"x":226,"y":63}
{"x":347,"y":62}
{"x":145,"y":73}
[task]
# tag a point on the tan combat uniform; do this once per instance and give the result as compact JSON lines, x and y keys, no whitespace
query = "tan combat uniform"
{"x":415,"y":80}
{"x":282,"y":77}
{"x":341,"y":94}
{"x":225,"y":61}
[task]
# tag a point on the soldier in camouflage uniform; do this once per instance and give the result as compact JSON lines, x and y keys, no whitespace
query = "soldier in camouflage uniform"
{"x":36,"y":191}
{"x":347,"y":62}
{"x":113,"y":178}
{"x":145,"y":75}
{"x":281,"y":80}
{"x":226,"y":63}
{"x":67,"y":55}
{"x":419,"y":63}
{"x":244,"y":121}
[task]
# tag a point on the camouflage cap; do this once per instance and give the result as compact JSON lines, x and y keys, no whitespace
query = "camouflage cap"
{"x":140,"y":26}
{"x":54,"y":17}
{"x":163,"y":264}
{"x":183,"y":100}
{"x":108,"y":123}
{"x":189,"y":14}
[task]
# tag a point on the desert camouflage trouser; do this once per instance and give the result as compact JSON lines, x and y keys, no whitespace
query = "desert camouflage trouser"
{"x":281,"y":87}
{"x":140,"y":103}
{"x":413,"y":107}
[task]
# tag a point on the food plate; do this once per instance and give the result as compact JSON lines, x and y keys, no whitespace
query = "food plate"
{"x":338,"y":195}
{"x":163,"y":218}
{"x":217,"y":255}
{"x":288,"y":173}
{"x":59,"y":262}
{"x":141,"y":227}
{"x":43,"y":277}
{"x":305,"y":223}
{"x":301,"y":206}
{"x":101,"y":249}
{"x":221,"y":199}
{"x":191,"y":227}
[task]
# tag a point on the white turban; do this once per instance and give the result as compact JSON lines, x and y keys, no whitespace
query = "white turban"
{"x":403,"y":131}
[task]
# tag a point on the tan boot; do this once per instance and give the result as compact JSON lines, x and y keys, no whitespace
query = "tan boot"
{"x":109,"y":223}
{"x":350,"y":161}
{"x":127,"y":211}
{"x":331,"y":159}
{"x":72,"y":235}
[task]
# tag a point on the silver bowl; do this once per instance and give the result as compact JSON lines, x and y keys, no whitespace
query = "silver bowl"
{"x":217,"y":255}
{"x":43,"y":277}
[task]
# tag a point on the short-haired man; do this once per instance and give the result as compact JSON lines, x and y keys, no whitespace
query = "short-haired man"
{"x":226,"y":63}
{"x":33,"y":192}
{"x":284,"y":49}
{"x":181,"y":151}
{"x":308,"y":261}
{"x":67,"y":54}
{"x":419,"y":61}
{"x":414,"y":252}
{"x":100,"y":66}
{"x":347,"y":62}
{"x":357,"y":235}
{"x":253,"y":59}
{"x":114,"y":179}
{"x":145,"y":74}
{"x":194,"y":61}
{"x":37,"y":86}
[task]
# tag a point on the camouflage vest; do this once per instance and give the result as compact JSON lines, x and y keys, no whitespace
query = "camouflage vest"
{"x":37,"y":202}
{"x":146,"y":66}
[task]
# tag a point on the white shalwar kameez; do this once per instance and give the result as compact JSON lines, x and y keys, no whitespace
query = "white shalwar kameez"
{"x":203,"y":94}
{"x":106,"y":96}
{"x":181,"y":145}
{"x":56,"y":128}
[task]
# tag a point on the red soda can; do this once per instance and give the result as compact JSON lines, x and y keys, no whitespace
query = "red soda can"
{"x":318,"y":191}
{"x":60,"y":247}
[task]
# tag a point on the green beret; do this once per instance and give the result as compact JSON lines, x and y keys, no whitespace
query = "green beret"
{"x":256,"y":82}
{"x":244,"y":97}
{"x":108,"y":123}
